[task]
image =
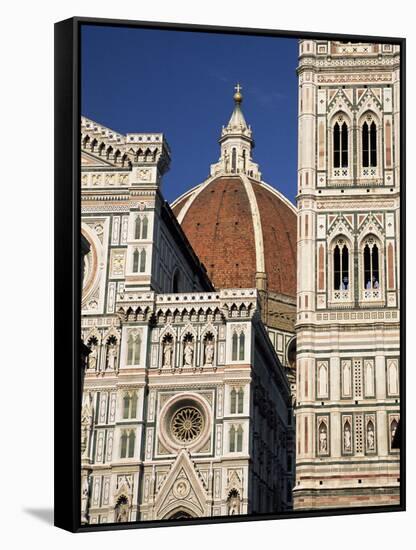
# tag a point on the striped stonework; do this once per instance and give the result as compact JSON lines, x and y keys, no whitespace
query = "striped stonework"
{"x":347,"y":325}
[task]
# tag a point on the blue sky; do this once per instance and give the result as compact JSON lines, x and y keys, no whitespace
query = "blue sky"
{"x":181,"y":83}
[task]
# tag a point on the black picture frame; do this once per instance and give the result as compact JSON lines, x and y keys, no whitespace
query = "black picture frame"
{"x":68,"y":346}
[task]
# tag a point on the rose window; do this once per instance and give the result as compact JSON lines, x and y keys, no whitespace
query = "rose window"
{"x":187,"y":424}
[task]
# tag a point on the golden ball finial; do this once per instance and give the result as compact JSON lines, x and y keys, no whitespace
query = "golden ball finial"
{"x":238,"y":97}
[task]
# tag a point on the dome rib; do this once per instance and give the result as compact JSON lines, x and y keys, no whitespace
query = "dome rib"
{"x":240,"y":227}
{"x":257,"y":227}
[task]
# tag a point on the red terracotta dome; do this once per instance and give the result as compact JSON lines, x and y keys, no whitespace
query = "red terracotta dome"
{"x":241,"y":228}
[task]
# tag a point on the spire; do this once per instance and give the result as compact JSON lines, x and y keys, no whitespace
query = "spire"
{"x":236,"y":144}
{"x":237,"y":120}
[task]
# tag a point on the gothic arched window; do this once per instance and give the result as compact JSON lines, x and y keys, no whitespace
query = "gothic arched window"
{"x":239,"y":439}
{"x":137,"y":228}
{"x":233,"y":399}
{"x":136,"y":261}
{"x":337,"y":146}
{"x":142,"y":261}
{"x":131,"y":442}
{"x":123,"y":445}
{"x":237,"y":401}
{"x":232,"y":439}
{"x":242,"y":341}
{"x":340,"y":144}
{"x":133,"y":410}
{"x":244,"y":160}
{"x":236,"y":439}
{"x":145,"y":224}
{"x":234,"y":347}
{"x":133,"y":349}
{"x":234,"y":160}
{"x":130,"y":350}
{"x":126,"y":405}
{"x":371,"y":264}
{"x":240,"y":396}
{"x":369,"y":143}
{"x":341,"y":266}
{"x":130,"y":405}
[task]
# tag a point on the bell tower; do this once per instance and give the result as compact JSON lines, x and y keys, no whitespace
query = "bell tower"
{"x":348,"y":333}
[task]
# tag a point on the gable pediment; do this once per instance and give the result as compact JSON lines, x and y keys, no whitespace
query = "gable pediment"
{"x":183,"y":488}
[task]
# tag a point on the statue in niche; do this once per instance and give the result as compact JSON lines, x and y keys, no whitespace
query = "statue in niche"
{"x":188,"y":353}
{"x":122,"y":510}
{"x":370,"y":437}
{"x":92,"y":357}
{"x":209,"y":351}
{"x":84,"y":498}
{"x":86,"y":425}
{"x":347,"y":437}
{"x":393,"y":431}
{"x":112,"y":356}
{"x":167,"y":353}
{"x":86,"y":486}
{"x":323,"y":441}
{"x":234,"y":503}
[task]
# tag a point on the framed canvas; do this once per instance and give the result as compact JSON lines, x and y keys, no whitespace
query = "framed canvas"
{"x":229,"y":322}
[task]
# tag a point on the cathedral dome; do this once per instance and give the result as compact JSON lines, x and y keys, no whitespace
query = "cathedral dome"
{"x":243,"y":230}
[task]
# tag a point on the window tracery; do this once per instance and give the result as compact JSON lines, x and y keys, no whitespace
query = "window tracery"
{"x":133,"y":348}
{"x":368,"y":142}
{"x":371,"y":268}
{"x":139,"y":260}
{"x":340,"y":147}
{"x":236,"y":439}
{"x":130,"y":405}
{"x":341,"y":270}
{"x":127,"y":443}
{"x":237,"y":400}
{"x":141,"y":226}
{"x":187,"y":424}
{"x":238,"y":346}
